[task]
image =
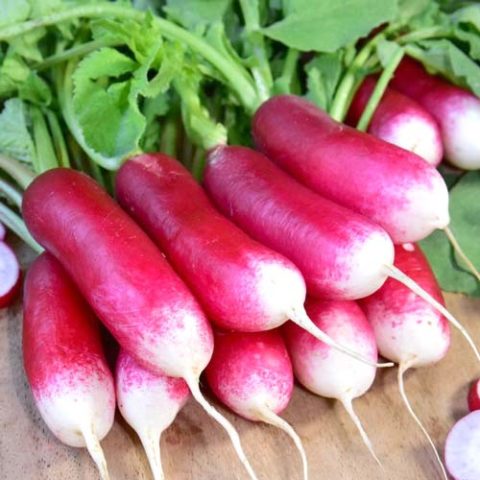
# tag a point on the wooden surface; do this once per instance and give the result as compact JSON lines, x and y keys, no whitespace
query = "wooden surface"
{"x":194,"y":447}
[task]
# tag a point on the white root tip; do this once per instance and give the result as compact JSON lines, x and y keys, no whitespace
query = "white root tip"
{"x":151,"y":445}
{"x":95,"y":450}
{"x":347,"y":403}
{"x":272,"y":418}
{"x":458,"y":249}
{"x":192,"y":383}
{"x":416,"y":288}
{"x":402,"y":368}
{"x":300,"y":317}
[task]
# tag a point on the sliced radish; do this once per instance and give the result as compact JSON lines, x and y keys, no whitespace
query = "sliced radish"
{"x":3,"y":232}
{"x":9,"y":275}
{"x":474,"y":396}
{"x":462,"y":448}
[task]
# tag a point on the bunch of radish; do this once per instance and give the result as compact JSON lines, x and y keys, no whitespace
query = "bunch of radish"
{"x":243,"y":252}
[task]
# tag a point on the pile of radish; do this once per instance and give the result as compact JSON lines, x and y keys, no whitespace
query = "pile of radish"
{"x":292,"y":259}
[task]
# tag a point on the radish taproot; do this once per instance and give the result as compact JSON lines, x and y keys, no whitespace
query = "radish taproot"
{"x":462,"y":447}
{"x":399,"y":120}
{"x":124,"y":278}
{"x":456,"y":110}
{"x":341,"y":254}
{"x":251,"y":373}
{"x":242,"y":284}
{"x":326,"y":372}
{"x":9,"y":275}
{"x":149,"y":403}
{"x":387,"y":184}
{"x":474,"y":396}
{"x":409,"y":331}
{"x":64,"y":360}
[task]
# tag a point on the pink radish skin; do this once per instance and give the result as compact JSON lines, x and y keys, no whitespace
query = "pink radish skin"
{"x":474,"y":396}
{"x":326,"y":372}
{"x":252,"y":374}
{"x":399,"y":120}
{"x":341,"y":254}
{"x":387,"y":184}
{"x":125,"y":279}
{"x":64,"y":360}
{"x":462,"y":447}
{"x":3,"y":232}
{"x":9,"y":275}
{"x":408,"y":331}
{"x":456,"y":110}
{"x":241,"y":284}
{"x":149,"y":403}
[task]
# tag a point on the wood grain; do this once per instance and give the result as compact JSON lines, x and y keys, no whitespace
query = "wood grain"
{"x":196,"y":448}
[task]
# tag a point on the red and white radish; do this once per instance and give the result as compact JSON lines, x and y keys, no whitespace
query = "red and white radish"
{"x":389,"y":185}
{"x":326,"y":372}
{"x":125,"y":279}
{"x":399,"y":120}
{"x":462,"y":447}
{"x":64,"y":360}
{"x":9,"y":275}
{"x":3,"y":232}
{"x":242,"y":284}
{"x":456,"y":110}
{"x":408,"y":330}
{"x":149,"y":403}
{"x":252,"y":374}
{"x":474,"y":396}
{"x":341,"y":255}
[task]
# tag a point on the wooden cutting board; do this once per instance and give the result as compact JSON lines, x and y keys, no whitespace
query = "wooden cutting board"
{"x":194,"y":447}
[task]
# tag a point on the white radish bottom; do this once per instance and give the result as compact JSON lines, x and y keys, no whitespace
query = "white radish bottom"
{"x":9,"y":270}
{"x":462,"y":448}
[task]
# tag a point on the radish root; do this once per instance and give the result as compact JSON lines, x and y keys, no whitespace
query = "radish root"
{"x":192,"y":383}
{"x":402,"y":368}
{"x":347,"y":403}
{"x":300,"y":317}
{"x":272,"y":418}
{"x":416,"y":288}
{"x":95,"y":450}
{"x":458,"y":249}
{"x":151,"y":445}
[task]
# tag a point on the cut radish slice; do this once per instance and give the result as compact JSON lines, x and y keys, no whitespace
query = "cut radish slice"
{"x":462,"y":448}
{"x":3,"y":232}
{"x":9,"y":275}
{"x":474,"y":396}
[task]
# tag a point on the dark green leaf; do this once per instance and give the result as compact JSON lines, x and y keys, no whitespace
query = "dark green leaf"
{"x":326,"y":26}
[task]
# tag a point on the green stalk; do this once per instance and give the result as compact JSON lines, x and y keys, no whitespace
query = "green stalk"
{"x":58,"y":140}
{"x":283,"y":84}
{"x":169,"y":136}
{"x":13,"y":222}
{"x":11,"y":193}
{"x":232,"y":71}
{"x":424,"y":34}
{"x":21,"y":174}
{"x":379,"y":90}
{"x":198,"y":164}
{"x":45,"y":157}
{"x":256,"y":44}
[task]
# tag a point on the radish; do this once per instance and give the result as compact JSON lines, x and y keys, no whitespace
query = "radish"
{"x":399,"y":120}
{"x":9,"y":275}
{"x":462,"y":447}
{"x":125,"y":279}
{"x":252,"y":374}
{"x":149,"y":403}
{"x":242,"y":285}
{"x":3,"y":232}
{"x":342,"y":255}
{"x":326,"y":372}
{"x":64,"y":360}
{"x":474,"y":396}
{"x":389,"y":185}
{"x":456,"y":110}
{"x":408,"y":330}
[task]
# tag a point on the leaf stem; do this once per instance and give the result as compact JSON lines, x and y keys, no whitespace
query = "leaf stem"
{"x":11,"y":193}
{"x":424,"y":34}
{"x":379,"y":90}
{"x":21,"y":174}
{"x":283,"y":84}
{"x":233,"y":72}
{"x":45,"y":157}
